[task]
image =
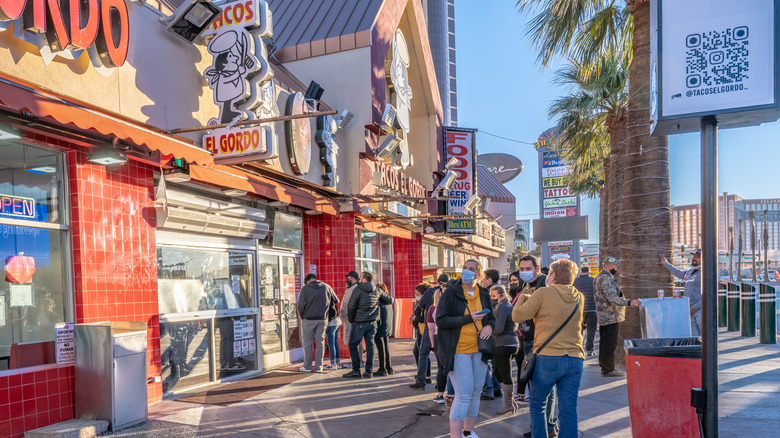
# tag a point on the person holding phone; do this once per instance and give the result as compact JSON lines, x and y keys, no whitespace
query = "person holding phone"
{"x":463,"y":316}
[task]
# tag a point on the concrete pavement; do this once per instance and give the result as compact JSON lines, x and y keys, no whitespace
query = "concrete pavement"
{"x":327,"y":405}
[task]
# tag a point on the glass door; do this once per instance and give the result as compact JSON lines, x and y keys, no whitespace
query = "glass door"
{"x":279,"y":278}
{"x":291,"y":288}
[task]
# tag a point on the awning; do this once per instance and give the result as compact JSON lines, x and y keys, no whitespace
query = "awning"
{"x":226,"y":176}
{"x":63,"y":110}
{"x":488,"y":186}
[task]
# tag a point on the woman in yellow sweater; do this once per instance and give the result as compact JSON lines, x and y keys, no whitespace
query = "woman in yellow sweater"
{"x":460,"y":324}
{"x":560,"y":362}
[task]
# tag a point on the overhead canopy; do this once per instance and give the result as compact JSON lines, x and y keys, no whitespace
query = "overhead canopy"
{"x":488,"y":186}
{"x":53,"y":107}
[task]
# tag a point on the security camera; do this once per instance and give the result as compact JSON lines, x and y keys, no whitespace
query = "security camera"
{"x":388,"y":117}
{"x":472,"y":203}
{"x":343,"y":119}
{"x":451,"y":163}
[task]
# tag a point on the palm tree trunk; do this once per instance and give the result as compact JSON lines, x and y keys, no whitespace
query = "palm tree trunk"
{"x":646,"y":224}
{"x":617,"y":159}
{"x":604,"y":200}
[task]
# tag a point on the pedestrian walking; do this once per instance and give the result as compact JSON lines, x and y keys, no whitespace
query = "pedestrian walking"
{"x":352,"y":282}
{"x":531,"y":274}
{"x":692,"y":279}
{"x":422,"y":344}
{"x":363,"y":312}
{"x":383,"y":331}
{"x":506,"y":345}
{"x":492,"y":388}
{"x":584,"y":283}
{"x":557,"y":314}
{"x":610,"y":310}
{"x":313,"y":303}
{"x":462,"y":321}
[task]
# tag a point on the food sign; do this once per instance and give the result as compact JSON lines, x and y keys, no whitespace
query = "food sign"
{"x":460,"y":144}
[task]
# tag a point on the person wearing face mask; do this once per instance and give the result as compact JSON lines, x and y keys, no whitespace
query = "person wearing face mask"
{"x":514,"y":292}
{"x":530,"y":272}
{"x":352,"y":282}
{"x":461,"y":322}
{"x":492,"y":387}
{"x":610,"y":311}
{"x":692,"y":279}
{"x":506,"y":346}
{"x":584,"y":283}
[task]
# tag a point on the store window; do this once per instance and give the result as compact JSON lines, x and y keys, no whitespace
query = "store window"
{"x":431,"y":255}
{"x":208,"y":323}
{"x":374,"y":253}
{"x":35,"y":280}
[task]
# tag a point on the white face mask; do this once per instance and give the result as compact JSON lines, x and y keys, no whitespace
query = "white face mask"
{"x":417,"y":298}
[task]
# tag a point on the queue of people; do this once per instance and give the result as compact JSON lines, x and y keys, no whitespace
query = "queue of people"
{"x":476,"y":328}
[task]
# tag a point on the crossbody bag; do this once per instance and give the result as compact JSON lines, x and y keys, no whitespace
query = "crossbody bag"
{"x":527,"y":367}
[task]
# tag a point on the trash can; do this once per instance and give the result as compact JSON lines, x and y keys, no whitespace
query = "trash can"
{"x":661,"y":373}
{"x":110,"y":373}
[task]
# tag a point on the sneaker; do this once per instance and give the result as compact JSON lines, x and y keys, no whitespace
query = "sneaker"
{"x":380,"y":373}
{"x":352,"y":375}
{"x":470,"y":435}
{"x":316,"y":370}
{"x":367,"y":375}
{"x":331,"y":367}
{"x":614,"y":373}
{"x":304,"y":370}
{"x":416,"y":385}
{"x":484,"y":396}
{"x":390,"y":371}
{"x":439,"y":399}
{"x":590,"y":353}
{"x":428,"y":381}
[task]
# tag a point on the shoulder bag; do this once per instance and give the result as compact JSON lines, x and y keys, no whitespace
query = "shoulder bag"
{"x":484,"y":346}
{"x":527,"y":367}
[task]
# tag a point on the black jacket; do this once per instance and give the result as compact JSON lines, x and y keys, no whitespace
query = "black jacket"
{"x":450,"y":317}
{"x":364,"y":303}
{"x":314,"y":300}
{"x":385,"y":327}
{"x":527,"y":328}
{"x":505,"y":332}
{"x":584,"y":284}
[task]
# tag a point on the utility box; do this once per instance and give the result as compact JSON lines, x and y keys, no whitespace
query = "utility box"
{"x":110,"y":373}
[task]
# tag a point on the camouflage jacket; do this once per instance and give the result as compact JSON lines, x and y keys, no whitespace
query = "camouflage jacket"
{"x":610,"y":302}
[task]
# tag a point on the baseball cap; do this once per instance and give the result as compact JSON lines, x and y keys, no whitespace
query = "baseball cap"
{"x":610,"y":260}
{"x":444,"y":278}
{"x":697,"y":252}
{"x":353,"y":274}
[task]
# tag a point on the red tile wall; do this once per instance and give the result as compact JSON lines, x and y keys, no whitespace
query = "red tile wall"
{"x":329,"y":243}
{"x":115,"y":278}
{"x":407,"y":257}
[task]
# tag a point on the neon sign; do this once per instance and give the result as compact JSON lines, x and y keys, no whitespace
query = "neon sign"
{"x":17,"y":206}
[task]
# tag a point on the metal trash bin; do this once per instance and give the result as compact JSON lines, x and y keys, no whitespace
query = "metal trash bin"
{"x":661,"y":373}
{"x":110,"y":373}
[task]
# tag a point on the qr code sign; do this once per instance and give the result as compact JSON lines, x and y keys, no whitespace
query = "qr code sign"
{"x":716,"y":58}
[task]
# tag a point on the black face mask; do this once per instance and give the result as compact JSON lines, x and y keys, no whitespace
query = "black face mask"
{"x":613,"y":271}
{"x":495,"y":302}
{"x":514,"y":287}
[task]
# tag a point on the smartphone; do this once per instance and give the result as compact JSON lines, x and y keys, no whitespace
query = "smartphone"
{"x":483,"y":312}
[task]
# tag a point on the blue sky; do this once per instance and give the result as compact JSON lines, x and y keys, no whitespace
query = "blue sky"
{"x":502,"y":90}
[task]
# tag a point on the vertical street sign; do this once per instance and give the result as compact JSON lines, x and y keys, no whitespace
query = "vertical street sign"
{"x":460,"y":143}
{"x":713,"y":64}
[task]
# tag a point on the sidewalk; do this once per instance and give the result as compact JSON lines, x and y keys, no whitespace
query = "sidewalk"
{"x":327,"y":405}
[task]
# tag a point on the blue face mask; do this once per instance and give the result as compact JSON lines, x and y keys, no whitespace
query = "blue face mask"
{"x":526,"y":276}
{"x":467,"y":276}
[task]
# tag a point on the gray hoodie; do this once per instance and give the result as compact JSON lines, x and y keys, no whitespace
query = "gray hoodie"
{"x":315,"y":299}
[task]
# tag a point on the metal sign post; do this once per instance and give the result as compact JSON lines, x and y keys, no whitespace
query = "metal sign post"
{"x":709,"y":272}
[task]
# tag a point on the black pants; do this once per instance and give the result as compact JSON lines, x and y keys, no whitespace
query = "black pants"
{"x":383,"y":352}
{"x":362,"y":331}
{"x":417,"y":341}
{"x":607,"y":344}
{"x":519,"y":362}
{"x":441,"y":378}
{"x":589,"y":323}
{"x":502,"y":365}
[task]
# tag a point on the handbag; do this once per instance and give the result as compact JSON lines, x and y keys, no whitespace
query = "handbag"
{"x":484,"y":346}
{"x":526,"y":371}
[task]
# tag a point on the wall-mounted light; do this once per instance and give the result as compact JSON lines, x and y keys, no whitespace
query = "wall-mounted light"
{"x":385,"y":150}
{"x":107,"y":157}
{"x":366,"y":210}
{"x":233,"y":192}
{"x":9,"y":133}
{"x":388,"y":117}
{"x":343,"y":119}
{"x":312,"y":212}
{"x":191,"y":19}
{"x":278,"y":204}
{"x":447,"y":182}
{"x":451,"y":163}
{"x":472,"y":203}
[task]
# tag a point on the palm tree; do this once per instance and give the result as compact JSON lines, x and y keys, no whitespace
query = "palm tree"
{"x":585,"y":30}
{"x":591,"y":121}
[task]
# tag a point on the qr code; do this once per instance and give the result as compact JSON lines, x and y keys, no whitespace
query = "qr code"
{"x":716,"y":58}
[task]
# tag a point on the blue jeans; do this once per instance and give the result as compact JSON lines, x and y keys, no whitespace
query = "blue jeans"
{"x":467,"y":376}
{"x":563,"y":372}
{"x":424,"y":355}
{"x":552,"y":419}
{"x":491,"y":383}
{"x":333,"y":344}
{"x":362,"y":331}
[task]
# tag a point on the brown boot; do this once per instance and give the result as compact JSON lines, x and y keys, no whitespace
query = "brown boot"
{"x":509,"y":403}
